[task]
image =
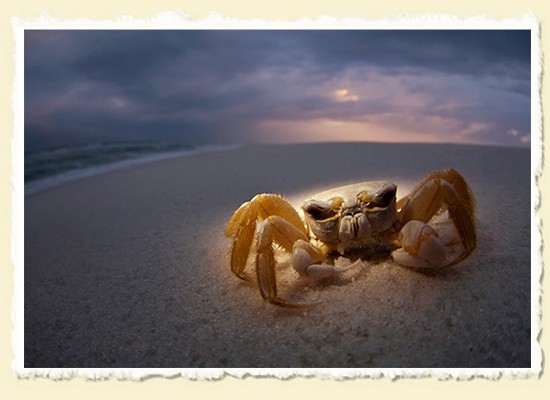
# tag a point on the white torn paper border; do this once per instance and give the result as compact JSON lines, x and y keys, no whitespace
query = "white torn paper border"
{"x":216,"y":21}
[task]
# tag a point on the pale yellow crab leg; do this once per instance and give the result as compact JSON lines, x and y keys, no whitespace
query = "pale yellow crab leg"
{"x":273,"y":204}
{"x":446,"y":187}
{"x":425,"y":200}
{"x":242,"y":226}
{"x":274,"y":229}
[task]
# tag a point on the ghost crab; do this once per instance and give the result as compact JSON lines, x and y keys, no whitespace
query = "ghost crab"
{"x":432,"y":227}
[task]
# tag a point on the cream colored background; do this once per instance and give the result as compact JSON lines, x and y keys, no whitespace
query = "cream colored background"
{"x":425,"y":389}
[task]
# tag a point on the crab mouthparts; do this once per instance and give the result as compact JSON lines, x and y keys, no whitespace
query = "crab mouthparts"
{"x":354,"y":225}
{"x":351,"y":211}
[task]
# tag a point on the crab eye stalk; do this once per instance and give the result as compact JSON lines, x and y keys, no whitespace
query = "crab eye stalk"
{"x":318,"y":210}
{"x":383,"y":198}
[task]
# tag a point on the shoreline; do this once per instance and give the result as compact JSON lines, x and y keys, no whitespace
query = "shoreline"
{"x":73,"y":175}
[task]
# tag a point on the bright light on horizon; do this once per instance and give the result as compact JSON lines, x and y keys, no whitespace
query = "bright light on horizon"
{"x":327,"y":130}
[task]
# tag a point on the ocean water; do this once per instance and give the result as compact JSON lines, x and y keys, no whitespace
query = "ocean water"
{"x":50,"y":168}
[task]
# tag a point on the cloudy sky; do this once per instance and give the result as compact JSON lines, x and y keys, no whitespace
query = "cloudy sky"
{"x":277,"y":86}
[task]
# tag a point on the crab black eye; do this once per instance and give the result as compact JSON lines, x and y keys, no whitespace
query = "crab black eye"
{"x":318,"y":209}
{"x":384,"y":197}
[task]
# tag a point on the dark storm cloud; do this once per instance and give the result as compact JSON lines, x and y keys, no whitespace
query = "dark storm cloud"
{"x":165,"y":85}
{"x":464,"y":52}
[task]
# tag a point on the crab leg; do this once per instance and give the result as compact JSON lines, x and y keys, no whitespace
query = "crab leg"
{"x":242,"y":226}
{"x":421,"y":244}
{"x":426,"y":199}
{"x":274,"y":229}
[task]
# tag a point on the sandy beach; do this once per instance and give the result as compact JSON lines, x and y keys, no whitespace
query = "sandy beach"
{"x":130,"y":268}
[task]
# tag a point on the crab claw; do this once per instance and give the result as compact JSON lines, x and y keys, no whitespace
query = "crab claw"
{"x":421,"y":247}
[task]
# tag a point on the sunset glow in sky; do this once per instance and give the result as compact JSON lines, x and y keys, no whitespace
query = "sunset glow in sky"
{"x":277,"y":86}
